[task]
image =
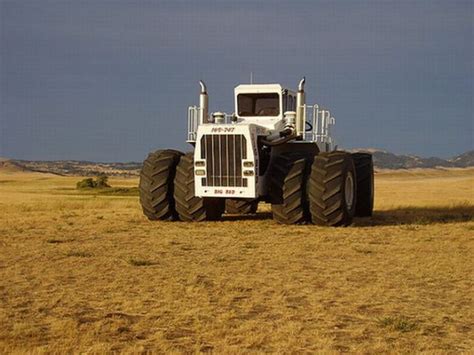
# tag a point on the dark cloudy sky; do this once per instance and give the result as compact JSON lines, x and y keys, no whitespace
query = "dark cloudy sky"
{"x":111,"y":80}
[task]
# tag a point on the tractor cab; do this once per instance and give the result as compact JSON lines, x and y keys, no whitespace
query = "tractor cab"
{"x":263,"y":102}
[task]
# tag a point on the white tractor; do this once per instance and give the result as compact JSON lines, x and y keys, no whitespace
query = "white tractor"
{"x":273,"y":148}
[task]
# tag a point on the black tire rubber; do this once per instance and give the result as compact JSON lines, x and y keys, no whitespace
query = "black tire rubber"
{"x":287,"y":188}
{"x":156,"y":185}
{"x":326,"y":189}
{"x":189,"y":207}
{"x":365,"y":184}
{"x":241,"y":206}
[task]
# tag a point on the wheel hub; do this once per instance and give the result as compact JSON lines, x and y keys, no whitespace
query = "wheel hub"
{"x":349,"y":190}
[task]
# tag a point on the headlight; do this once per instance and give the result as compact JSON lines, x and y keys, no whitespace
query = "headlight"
{"x":200,"y":172}
{"x":248,"y":172}
{"x":200,"y":163}
{"x":248,"y":164}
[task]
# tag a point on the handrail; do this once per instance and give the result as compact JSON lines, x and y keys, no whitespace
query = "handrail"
{"x":193,"y":123}
{"x":321,"y":120}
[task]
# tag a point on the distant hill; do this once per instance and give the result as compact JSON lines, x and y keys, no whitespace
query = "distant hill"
{"x":75,"y":167}
{"x":464,"y":160}
{"x":11,"y":166}
{"x":387,"y":160}
{"x":382,"y":160}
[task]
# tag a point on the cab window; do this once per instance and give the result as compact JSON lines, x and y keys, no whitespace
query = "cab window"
{"x":258,"y":104}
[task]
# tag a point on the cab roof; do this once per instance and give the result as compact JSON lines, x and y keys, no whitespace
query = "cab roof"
{"x":261,"y":88}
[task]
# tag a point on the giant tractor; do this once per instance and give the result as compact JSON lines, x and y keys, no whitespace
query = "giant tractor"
{"x":274,"y":148}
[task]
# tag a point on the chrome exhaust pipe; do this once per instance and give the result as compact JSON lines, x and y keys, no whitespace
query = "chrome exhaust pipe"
{"x":301,"y":84}
{"x":203,"y":104}
{"x":300,"y":109}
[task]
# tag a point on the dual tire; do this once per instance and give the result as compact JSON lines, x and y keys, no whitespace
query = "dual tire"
{"x":328,"y":189}
{"x":167,"y":189}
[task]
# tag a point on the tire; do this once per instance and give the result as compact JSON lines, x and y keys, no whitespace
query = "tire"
{"x":189,"y":207}
{"x":241,"y":206}
{"x":332,"y":175}
{"x":156,"y":185}
{"x":365,"y":184}
{"x":287,"y":188}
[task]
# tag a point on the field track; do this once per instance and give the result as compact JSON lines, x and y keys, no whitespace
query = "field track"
{"x":81,"y":271}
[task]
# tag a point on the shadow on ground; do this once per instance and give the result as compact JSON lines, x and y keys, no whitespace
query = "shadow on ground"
{"x":248,"y":217}
{"x":392,"y":217}
{"x":418,"y":215}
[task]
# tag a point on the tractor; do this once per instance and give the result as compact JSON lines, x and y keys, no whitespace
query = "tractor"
{"x":273,"y":148}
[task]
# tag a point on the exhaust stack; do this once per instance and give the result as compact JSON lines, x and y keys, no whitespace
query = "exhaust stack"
{"x":203,"y":104}
{"x":300,"y":110}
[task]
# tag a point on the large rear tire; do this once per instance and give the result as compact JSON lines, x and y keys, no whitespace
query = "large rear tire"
{"x":365,"y":184}
{"x":241,"y":206}
{"x":287,"y":188}
{"x":191,"y":208}
{"x":332,"y":189}
{"x":156,"y":184}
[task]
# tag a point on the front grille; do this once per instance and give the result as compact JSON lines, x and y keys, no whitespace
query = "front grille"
{"x":223,"y":155}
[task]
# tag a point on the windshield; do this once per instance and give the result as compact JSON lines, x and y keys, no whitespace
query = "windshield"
{"x":258,"y":104}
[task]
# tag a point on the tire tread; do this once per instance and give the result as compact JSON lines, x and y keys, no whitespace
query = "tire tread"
{"x":189,"y":207}
{"x":325,"y":189}
{"x":156,"y":184}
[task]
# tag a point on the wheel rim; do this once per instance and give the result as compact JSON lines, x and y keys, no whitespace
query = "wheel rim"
{"x":349,"y":190}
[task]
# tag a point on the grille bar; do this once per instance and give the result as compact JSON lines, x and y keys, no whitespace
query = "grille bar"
{"x":224,"y":155}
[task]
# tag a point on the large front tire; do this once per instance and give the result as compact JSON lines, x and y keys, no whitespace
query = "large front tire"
{"x":332,"y":189}
{"x":365,"y":184}
{"x":191,"y":208}
{"x":156,"y":185}
{"x":287,"y":188}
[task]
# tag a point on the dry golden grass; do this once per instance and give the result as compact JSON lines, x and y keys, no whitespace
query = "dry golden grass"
{"x":89,"y":273}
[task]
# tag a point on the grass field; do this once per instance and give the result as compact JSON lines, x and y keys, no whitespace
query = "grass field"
{"x":87,"y":272}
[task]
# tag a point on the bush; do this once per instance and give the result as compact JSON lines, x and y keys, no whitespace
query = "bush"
{"x":99,"y":183}
{"x":86,"y":184}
